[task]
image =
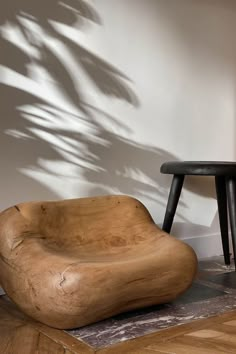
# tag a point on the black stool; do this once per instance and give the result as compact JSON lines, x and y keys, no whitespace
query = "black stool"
{"x":225,"y":182}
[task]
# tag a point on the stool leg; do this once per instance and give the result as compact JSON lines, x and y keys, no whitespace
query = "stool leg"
{"x":231,"y":196}
{"x":175,"y":190}
{"x":223,"y":217}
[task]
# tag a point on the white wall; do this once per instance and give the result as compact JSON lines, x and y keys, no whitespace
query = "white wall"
{"x":95,"y":107}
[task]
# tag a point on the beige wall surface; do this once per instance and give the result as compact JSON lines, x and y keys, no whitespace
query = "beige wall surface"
{"x":95,"y":96}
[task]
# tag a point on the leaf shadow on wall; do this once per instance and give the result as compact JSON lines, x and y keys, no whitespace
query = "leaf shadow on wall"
{"x":47,"y":141}
{"x":37,"y":133}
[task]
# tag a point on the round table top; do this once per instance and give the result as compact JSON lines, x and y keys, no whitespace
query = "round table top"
{"x":200,"y":168}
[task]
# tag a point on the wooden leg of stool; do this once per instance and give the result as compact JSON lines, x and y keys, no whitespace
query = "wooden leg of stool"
{"x":175,"y":190}
{"x":231,"y":196}
{"x":223,"y":217}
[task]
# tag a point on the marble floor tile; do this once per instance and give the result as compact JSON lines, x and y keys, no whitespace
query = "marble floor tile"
{"x":227,"y":280}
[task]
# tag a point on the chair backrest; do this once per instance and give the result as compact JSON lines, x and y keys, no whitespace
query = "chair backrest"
{"x":99,"y":222}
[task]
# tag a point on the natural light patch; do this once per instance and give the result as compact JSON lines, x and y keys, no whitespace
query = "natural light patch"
{"x":74,"y":72}
{"x":71,"y":150}
{"x":35,"y":32}
{"x":46,"y":91}
{"x":70,"y":32}
{"x":44,"y":119}
{"x":52,"y":117}
{"x":15,"y":36}
{"x":59,"y":168}
{"x":65,"y":169}
{"x":56,"y":184}
{"x":55,"y":139}
{"x":27,"y":15}
{"x":195,"y":202}
{"x":18,"y":134}
{"x":69,"y":187}
{"x":81,"y":161}
{"x":137,"y":175}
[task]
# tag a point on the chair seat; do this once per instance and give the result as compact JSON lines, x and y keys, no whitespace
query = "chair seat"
{"x":199,"y":168}
{"x":73,"y":262}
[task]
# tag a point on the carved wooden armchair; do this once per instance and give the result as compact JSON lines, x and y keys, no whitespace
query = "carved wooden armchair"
{"x":73,"y":262}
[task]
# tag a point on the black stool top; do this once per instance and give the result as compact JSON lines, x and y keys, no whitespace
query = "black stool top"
{"x":200,"y":168}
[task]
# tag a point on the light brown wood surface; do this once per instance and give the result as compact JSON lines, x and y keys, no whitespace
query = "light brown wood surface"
{"x":21,"y":335}
{"x":73,"y":262}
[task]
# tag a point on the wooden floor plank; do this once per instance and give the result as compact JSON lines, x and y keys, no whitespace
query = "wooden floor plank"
{"x":22,"y":339}
{"x":225,"y":328}
{"x":183,"y":348}
{"x":25,"y":339}
{"x":12,"y":317}
{"x":48,"y":346}
{"x":202,"y":345}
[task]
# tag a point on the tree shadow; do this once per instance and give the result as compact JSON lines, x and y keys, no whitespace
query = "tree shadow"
{"x":110,"y":162}
{"x":33,"y":22}
{"x":44,"y":138}
{"x":34,"y":128}
{"x":71,"y":12}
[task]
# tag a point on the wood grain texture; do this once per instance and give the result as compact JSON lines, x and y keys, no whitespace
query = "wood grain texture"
{"x":11,"y":318}
{"x":23,"y":337}
{"x":73,"y":262}
{"x":47,"y":346}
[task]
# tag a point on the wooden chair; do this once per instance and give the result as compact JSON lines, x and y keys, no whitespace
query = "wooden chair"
{"x":73,"y":262}
{"x":225,"y":183}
